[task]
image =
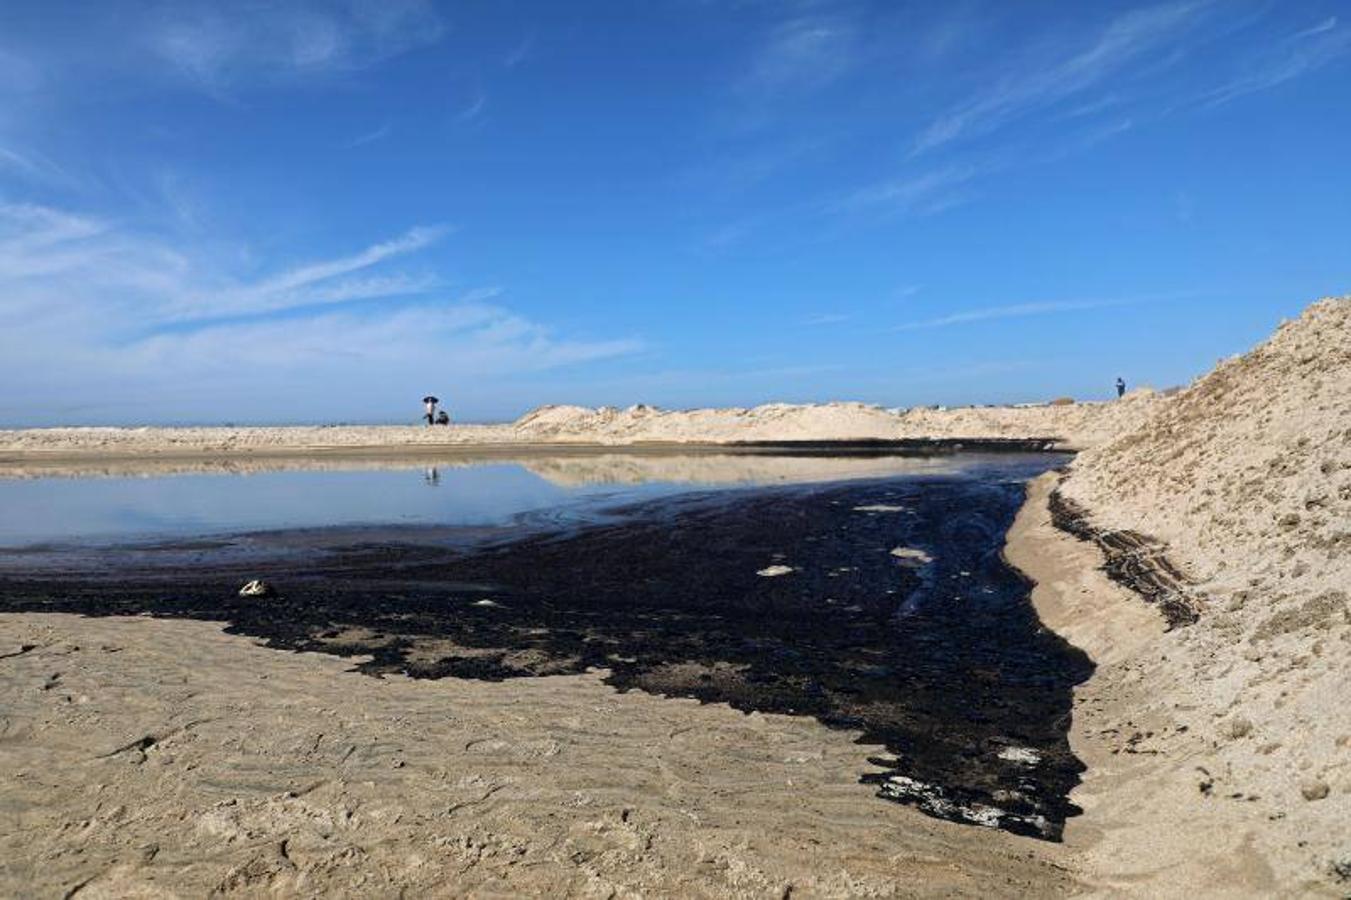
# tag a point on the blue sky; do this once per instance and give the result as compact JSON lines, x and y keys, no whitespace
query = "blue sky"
{"x":271,"y":211}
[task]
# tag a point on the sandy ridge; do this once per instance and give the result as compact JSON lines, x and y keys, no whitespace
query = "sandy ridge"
{"x":1073,"y":425}
{"x":1245,"y":479}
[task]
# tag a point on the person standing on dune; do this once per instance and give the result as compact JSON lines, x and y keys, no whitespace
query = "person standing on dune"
{"x":1120,"y":387}
{"x":429,"y":403}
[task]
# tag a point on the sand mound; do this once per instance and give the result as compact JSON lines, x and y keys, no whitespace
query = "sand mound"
{"x":772,"y":422}
{"x":1075,"y":424}
{"x":1248,"y":471}
{"x":1246,"y":476}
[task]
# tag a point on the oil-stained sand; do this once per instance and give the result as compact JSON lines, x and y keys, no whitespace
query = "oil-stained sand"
{"x":942,"y":665}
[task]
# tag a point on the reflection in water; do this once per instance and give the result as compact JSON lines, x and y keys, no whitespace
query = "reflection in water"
{"x":564,"y":469}
{"x":150,"y":499}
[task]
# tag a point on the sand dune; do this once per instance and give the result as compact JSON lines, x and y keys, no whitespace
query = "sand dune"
{"x":1246,"y":479}
{"x":1071,"y":425}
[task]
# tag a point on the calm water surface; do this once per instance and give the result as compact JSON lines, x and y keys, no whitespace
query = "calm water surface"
{"x":93,"y":506}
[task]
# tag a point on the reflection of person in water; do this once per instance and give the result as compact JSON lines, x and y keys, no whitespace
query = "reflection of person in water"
{"x":431,"y":476}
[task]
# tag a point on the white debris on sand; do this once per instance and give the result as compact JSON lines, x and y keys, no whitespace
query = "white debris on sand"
{"x":775,"y":571}
{"x":880,"y":508}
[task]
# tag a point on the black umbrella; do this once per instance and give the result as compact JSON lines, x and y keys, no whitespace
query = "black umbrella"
{"x":430,"y":399}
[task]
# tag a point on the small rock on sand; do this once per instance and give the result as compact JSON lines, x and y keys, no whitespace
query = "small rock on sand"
{"x":1314,"y":789}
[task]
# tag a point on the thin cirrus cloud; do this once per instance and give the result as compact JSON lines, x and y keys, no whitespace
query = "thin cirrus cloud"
{"x":1020,"y":310}
{"x":1030,"y":88}
{"x":89,"y":306}
{"x":473,"y":109}
{"x":820,"y":319}
{"x":1301,"y":53}
{"x":317,"y":282}
{"x":369,"y":137}
{"x":922,"y":193}
{"x":1102,"y":82}
{"x":216,"y":48}
{"x":799,"y":56}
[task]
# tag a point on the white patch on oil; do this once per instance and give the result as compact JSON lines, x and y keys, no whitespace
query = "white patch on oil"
{"x":1022,"y":755}
{"x":911,"y":557}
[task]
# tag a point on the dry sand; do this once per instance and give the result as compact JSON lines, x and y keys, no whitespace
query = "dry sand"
{"x":154,"y":758}
{"x":1246,"y":479}
{"x":1072,"y":424}
{"x":555,"y":427}
{"x":1144,"y":727}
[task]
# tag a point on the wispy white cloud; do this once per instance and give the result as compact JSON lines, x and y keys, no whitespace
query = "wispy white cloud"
{"x":1299,"y":54}
{"x":313,"y":283}
{"x":91,"y":308}
{"x":1030,"y":87}
{"x":1323,"y":27}
{"x":1018,"y":311}
{"x":370,"y":137}
{"x":259,"y":294}
{"x":802,"y":53}
{"x":520,"y":53}
{"x":473,"y":109}
{"x":217,"y":48}
{"x":920,"y":194}
{"x":32,"y":167}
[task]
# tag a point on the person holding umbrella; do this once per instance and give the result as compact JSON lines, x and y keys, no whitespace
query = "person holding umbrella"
{"x":429,"y":402}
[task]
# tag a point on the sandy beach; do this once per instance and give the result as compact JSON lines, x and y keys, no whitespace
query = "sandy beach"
{"x":578,"y":429}
{"x":283,"y":774}
{"x":153,"y":757}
